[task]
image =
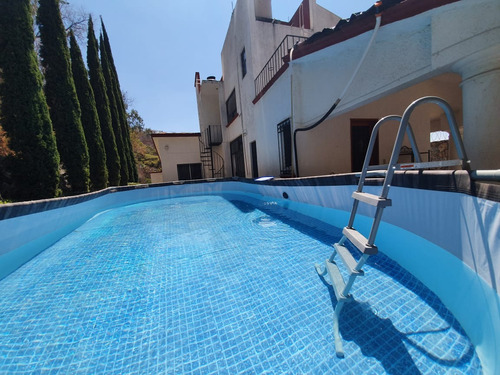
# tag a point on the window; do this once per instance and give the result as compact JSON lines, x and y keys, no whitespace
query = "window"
{"x":189,"y":171}
{"x":243,"y":58}
{"x":231,"y":107}
{"x":285,"y":148}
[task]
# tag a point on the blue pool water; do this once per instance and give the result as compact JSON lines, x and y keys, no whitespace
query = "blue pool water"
{"x":216,"y":284}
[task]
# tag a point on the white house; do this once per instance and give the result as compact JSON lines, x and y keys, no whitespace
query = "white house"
{"x":180,"y":156}
{"x":275,"y":81}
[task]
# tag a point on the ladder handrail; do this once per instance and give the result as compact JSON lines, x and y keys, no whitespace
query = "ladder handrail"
{"x":366,"y":163}
{"x":402,"y":129}
{"x":371,"y":145}
{"x":367,"y":245}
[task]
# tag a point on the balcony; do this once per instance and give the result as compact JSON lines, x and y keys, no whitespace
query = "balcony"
{"x":276,"y":62}
{"x":212,"y":135}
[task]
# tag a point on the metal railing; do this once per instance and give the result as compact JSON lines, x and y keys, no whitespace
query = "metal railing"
{"x":213,"y":135}
{"x":213,"y":163}
{"x":275,"y":63}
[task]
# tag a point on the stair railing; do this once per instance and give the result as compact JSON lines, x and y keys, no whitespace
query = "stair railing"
{"x":211,"y":160}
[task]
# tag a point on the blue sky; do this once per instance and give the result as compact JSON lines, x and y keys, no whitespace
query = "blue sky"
{"x":158,"y":45}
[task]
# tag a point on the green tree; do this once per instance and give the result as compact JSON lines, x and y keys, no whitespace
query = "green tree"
{"x":61,"y":96}
{"x":90,"y":118}
{"x":135,"y":121}
{"x":24,"y":114}
{"x":102,"y":103}
{"x":115,"y":117}
{"x":122,"y":111}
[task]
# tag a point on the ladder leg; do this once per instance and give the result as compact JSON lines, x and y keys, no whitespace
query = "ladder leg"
{"x":353,"y":276}
{"x":361,"y":262}
{"x":375,"y":225}
{"x":353,"y":213}
{"x":339,"y":347}
{"x":321,"y":271}
{"x":342,"y":240}
{"x":332,"y":257}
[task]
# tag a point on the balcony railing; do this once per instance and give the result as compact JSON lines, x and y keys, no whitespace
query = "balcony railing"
{"x":275,"y":63}
{"x":213,"y":163}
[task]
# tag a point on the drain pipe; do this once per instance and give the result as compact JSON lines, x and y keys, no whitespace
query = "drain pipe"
{"x":292,"y":117}
{"x":378,"y":18}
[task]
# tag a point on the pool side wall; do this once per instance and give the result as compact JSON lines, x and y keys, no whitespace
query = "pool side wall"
{"x":417,"y":228}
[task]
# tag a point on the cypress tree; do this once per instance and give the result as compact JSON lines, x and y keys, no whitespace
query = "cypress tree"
{"x":102,"y":104}
{"x":61,"y":96}
{"x":115,"y":119}
{"x":90,"y":118}
{"x":133,"y":175}
{"x":23,"y":108}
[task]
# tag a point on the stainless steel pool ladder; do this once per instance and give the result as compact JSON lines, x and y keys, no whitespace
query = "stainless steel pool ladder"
{"x":366,"y":246}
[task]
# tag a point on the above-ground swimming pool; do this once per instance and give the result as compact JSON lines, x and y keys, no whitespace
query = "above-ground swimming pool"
{"x":221,"y":283}
{"x":216,"y":284}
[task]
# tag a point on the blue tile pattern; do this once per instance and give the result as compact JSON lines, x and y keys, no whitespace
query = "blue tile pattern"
{"x":216,"y":285}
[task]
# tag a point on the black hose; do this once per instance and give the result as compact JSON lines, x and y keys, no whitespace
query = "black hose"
{"x":332,"y":108}
{"x":377,"y":9}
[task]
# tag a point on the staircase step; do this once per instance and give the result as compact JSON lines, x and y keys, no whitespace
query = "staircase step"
{"x":371,"y":199}
{"x":348,"y":259}
{"x":338,"y":282}
{"x":359,"y":241}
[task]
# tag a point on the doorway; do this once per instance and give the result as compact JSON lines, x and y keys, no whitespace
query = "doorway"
{"x":237,"y":157}
{"x":253,"y":154}
{"x":361,"y":131}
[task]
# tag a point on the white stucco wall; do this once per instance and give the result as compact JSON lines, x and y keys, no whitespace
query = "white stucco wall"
{"x":331,"y":141}
{"x":327,"y":148}
{"x":471,"y":47}
{"x":207,"y":97}
{"x":403,"y":65}
{"x":410,"y":58}
{"x":175,"y":149}
{"x":260,"y":40}
{"x":399,"y":55}
{"x":156,"y":177}
{"x":322,"y":18}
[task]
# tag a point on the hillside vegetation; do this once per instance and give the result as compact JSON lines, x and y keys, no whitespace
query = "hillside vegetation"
{"x":146,"y":157}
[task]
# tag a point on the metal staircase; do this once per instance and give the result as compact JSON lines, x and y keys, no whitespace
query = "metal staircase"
{"x":213,"y":163}
{"x":366,"y":246}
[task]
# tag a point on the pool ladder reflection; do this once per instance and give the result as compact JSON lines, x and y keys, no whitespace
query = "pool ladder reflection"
{"x":365,"y":245}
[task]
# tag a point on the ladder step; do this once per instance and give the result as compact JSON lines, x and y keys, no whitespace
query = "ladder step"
{"x":348,"y":260}
{"x":359,"y":241}
{"x":338,"y":282}
{"x":371,"y":199}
